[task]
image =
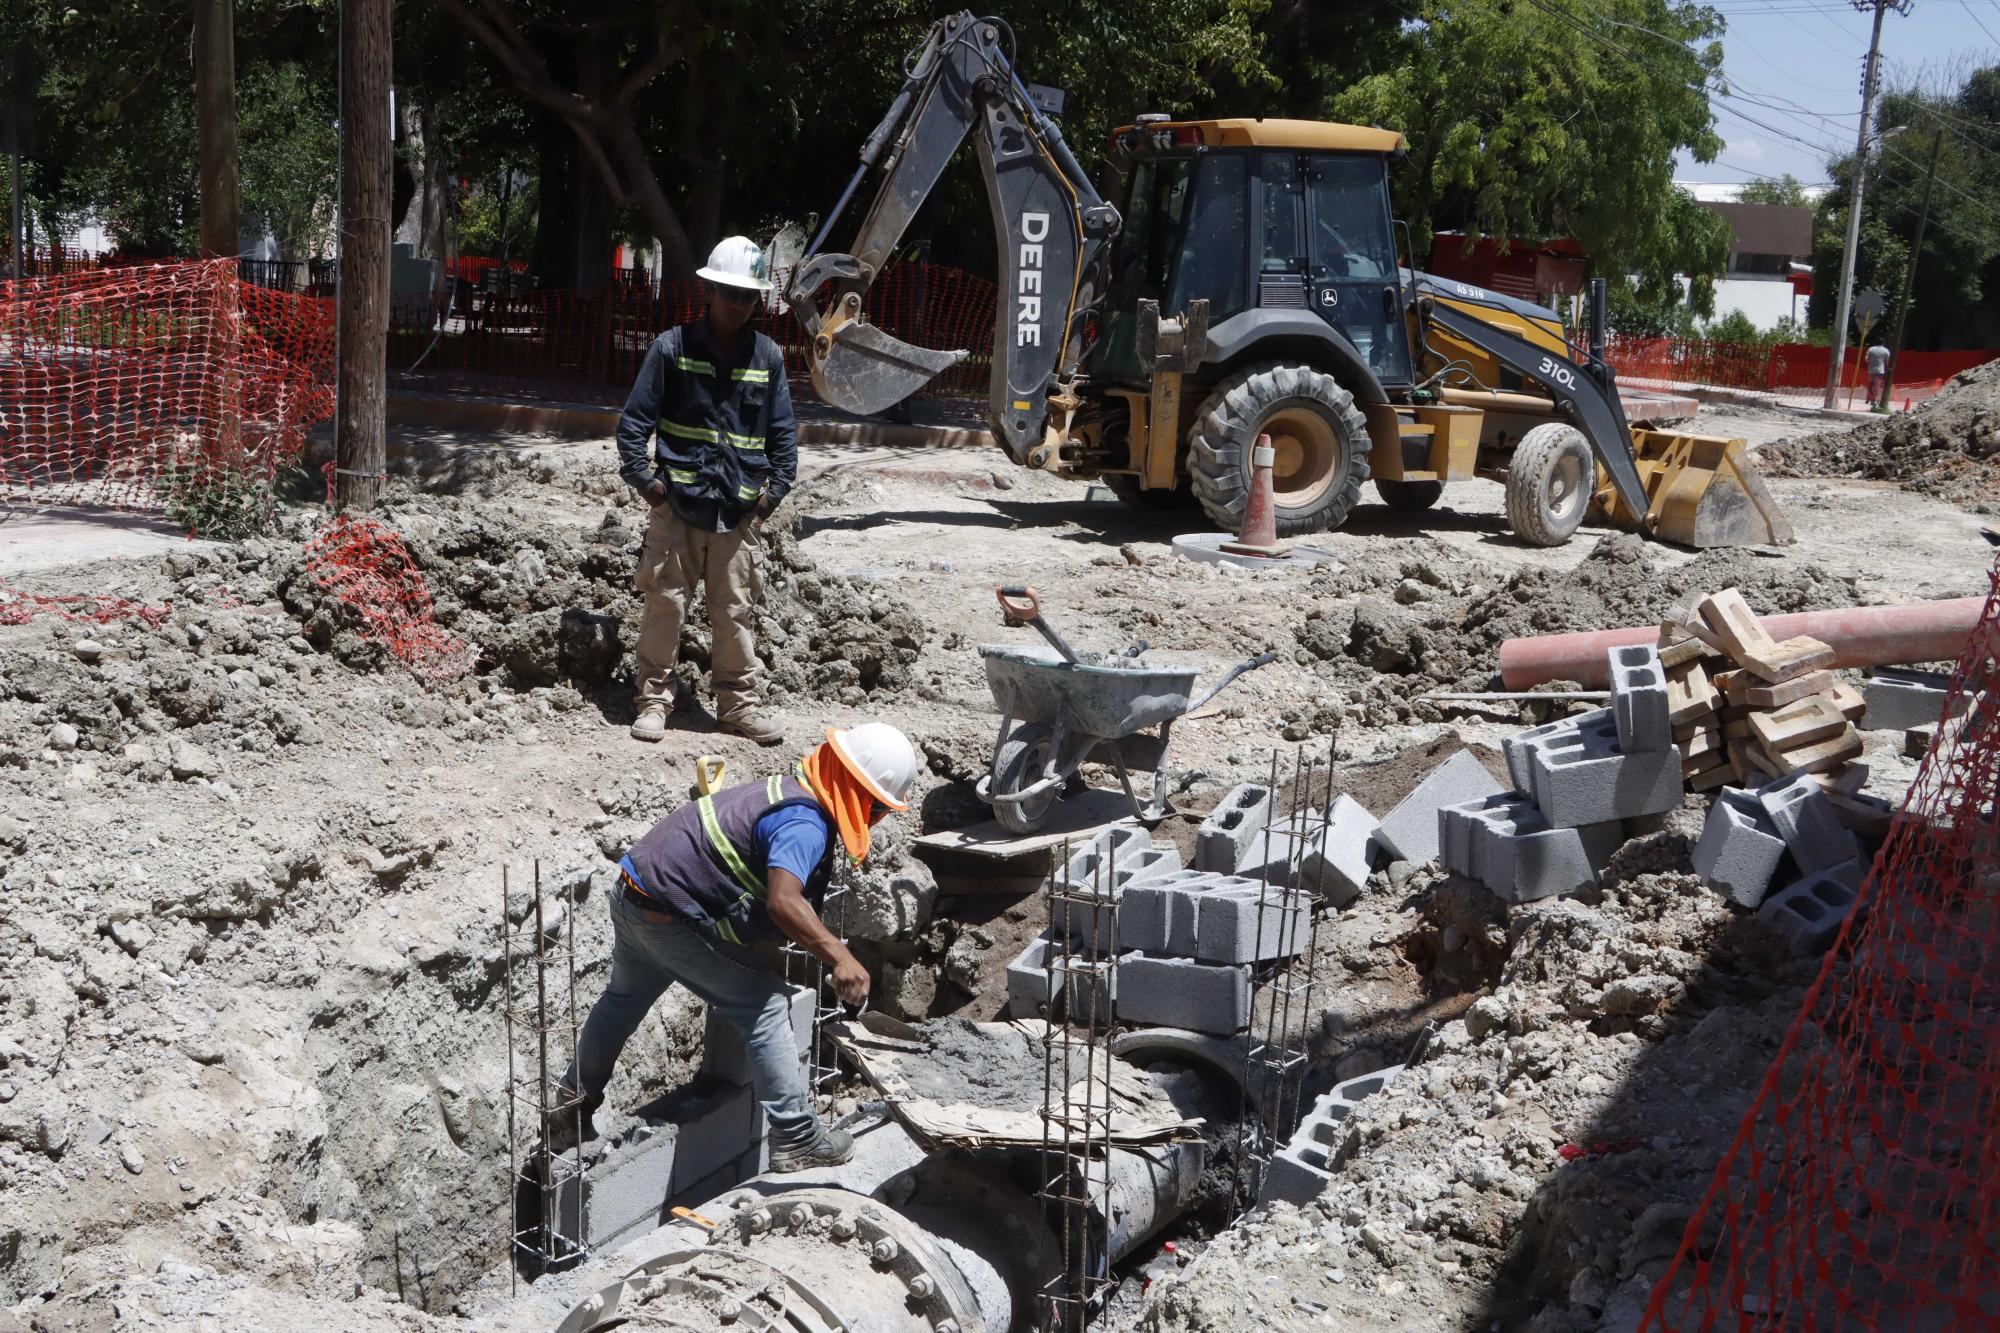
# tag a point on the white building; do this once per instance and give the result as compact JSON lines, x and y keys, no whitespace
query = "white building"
{"x":1771,"y":247}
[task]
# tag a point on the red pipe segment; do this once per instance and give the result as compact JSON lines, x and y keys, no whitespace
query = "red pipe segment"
{"x":1860,"y":636}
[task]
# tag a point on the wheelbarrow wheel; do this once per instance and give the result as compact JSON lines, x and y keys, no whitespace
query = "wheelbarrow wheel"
{"x":1017,"y":765}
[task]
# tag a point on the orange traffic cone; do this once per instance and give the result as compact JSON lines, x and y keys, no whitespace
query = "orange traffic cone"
{"x":1260,"y":514}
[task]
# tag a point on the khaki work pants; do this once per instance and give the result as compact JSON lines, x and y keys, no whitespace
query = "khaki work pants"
{"x":675,"y":559}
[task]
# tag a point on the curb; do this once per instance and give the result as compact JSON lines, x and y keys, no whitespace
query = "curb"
{"x":587,"y":421}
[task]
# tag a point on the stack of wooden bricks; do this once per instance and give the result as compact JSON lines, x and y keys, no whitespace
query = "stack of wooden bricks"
{"x":1746,"y":708}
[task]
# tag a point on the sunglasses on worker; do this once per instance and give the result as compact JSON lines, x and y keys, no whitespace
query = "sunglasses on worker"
{"x":737,"y":296}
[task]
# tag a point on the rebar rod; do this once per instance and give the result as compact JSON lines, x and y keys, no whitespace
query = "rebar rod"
{"x":513,"y":1164}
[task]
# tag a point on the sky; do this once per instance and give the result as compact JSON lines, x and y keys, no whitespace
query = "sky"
{"x":1796,"y":67}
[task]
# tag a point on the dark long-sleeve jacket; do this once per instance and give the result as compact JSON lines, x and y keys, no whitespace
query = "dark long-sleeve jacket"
{"x":722,"y":432}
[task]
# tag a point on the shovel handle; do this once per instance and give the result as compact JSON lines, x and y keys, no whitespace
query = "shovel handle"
{"x":1019,"y":601}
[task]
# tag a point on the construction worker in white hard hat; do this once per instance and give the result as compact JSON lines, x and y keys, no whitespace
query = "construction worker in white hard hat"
{"x":697,"y":894}
{"x":708,"y":438}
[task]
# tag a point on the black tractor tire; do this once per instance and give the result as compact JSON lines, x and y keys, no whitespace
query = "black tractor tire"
{"x":1408,"y":496}
{"x":1321,"y":439}
{"x":1018,"y":765}
{"x":1550,"y":480}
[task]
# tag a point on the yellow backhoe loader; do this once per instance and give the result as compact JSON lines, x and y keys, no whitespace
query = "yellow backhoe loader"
{"x":1247,"y":282}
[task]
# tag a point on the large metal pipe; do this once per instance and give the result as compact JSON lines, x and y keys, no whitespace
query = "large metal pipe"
{"x":1860,"y":636}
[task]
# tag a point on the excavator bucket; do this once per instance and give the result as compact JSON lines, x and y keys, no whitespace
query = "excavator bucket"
{"x":1701,"y":491}
{"x":866,"y":371}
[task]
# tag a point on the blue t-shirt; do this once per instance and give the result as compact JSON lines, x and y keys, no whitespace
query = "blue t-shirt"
{"x":793,"y":836}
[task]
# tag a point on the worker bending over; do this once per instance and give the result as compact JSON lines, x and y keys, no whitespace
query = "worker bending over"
{"x":723,"y":872}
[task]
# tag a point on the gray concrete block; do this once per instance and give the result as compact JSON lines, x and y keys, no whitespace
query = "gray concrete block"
{"x":1090,"y":994}
{"x":1339,"y":852}
{"x":1224,"y":838}
{"x":1639,"y":699}
{"x":1251,"y":923}
{"x":1810,"y":912}
{"x":1898,"y":700}
{"x":1739,"y":848}
{"x":1159,"y":915}
{"x":1589,"y":781}
{"x":1086,"y":923}
{"x":1809,"y":823}
{"x":1177,"y":993}
{"x":1410,"y":831}
{"x":1324,"y":1140}
{"x":724,"y":1054}
{"x":1296,"y":1175}
{"x":1030,"y":987}
{"x":1522,"y":744}
{"x":712,"y":1130}
{"x":1112,"y":848}
{"x":1505,"y":843}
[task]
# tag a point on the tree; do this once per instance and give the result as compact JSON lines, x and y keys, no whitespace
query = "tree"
{"x":1522,"y":121}
{"x":1786,"y":190}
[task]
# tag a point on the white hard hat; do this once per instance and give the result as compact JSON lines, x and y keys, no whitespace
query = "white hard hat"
{"x":736,"y":262}
{"x":881,"y":756}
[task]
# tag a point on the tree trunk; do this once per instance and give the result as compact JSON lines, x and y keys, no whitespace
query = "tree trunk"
{"x":360,"y":455}
{"x":215,"y":116}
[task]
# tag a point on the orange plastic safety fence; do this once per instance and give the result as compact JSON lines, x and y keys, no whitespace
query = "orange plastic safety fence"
{"x":162,"y":386}
{"x":364,"y":564}
{"x":18,"y":608}
{"x":586,"y":346}
{"x":1863,"y":1189}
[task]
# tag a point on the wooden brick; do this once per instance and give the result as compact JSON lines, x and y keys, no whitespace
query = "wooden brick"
{"x":1845,"y":780}
{"x":1688,"y":622}
{"x":1813,"y":718}
{"x":1823,"y":756}
{"x":1740,"y":752}
{"x":1736,"y":729}
{"x":1687,"y":731}
{"x":1759,"y":695}
{"x":1719,"y":775}
{"x":1848,"y":700}
{"x":1690,"y":697}
{"x":1687,"y":649}
{"x":1789,"y":660}
{"x":1734,"y":623}
{"x":1703,"y":746}
{"x":1731,"y":683}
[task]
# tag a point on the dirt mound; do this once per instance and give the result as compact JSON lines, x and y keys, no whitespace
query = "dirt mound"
{"x":1948,"y":448}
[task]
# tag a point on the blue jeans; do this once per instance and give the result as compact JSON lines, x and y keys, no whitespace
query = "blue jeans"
{"x":647,"y":956}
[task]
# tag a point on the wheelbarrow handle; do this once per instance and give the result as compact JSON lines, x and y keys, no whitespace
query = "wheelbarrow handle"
{"x":1261,"y":659}
{"x":1019,"y":601}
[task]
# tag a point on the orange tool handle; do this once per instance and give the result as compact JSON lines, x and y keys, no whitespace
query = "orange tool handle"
{"x":1019,"y":600}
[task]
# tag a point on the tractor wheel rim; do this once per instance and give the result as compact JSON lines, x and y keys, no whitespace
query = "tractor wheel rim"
{"x":1308,"y":451}
{"x":1565,"y":485}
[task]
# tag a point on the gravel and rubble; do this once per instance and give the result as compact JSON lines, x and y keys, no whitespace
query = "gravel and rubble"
{"x":252,"y":1062}
{"x":1949,"y":447}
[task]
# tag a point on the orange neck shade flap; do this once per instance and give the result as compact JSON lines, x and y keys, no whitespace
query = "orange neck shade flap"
{"x":841,"y":795}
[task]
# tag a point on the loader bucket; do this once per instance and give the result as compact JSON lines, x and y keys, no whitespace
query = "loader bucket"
{"x":865,"y":371}
{"x":1701,"y":491}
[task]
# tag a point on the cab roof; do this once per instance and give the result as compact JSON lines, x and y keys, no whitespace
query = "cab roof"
{"x":1300,"y":134}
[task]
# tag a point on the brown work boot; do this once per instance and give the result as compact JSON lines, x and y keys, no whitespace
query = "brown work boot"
{"x":652,"y":722}
{"x":754,"y":725}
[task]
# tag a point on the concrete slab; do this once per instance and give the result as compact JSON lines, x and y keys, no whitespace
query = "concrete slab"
{"x":66,"y":537}
{"x":1410,"y":831}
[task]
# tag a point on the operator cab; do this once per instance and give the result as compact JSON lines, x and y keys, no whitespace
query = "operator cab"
{"x":1257,"y":214}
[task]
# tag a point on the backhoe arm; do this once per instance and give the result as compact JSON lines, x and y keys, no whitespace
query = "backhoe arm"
{"x":1053,"y":231}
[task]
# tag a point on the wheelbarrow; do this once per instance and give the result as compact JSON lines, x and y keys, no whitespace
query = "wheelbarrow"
{"x":1057,"y":706}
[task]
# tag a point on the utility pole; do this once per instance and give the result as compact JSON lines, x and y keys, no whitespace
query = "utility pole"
{"x":1868,"y":73}
{"x":1910,"y":271}
{"x":363,"y":318}
{"x":215,"y":126}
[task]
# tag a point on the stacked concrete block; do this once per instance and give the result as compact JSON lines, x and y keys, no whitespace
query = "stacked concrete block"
{"x":1587,"y":779}
{"x":1339,"y":852}
{"x":1810,"y":912}
{"x":1522,"y":745}
{"x":1323,"y":1142}
{"x":1030,"y":986}
{"x":1182,"y":993}
{"x":1410,"y":832}
{"x":1158,"y":916}
{"x":1639,"y":699}
{"x":1505,"y":843}
{"x":1740,"y":848}
{"x":696,"y":1142}
{"x":1251,"y":923}
{"x":1110,"y":863}
{"x":1809,"y":822}
{"x":1898,"y":700}
{"x":1233,"y":831}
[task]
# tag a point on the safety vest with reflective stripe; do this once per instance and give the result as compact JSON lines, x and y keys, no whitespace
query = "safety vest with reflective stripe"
{"x":700,"y":862}
{"x":713,"y":427}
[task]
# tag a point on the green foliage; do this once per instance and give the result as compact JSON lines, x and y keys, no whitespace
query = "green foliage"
{"x":215,"y":506}
{"x":1787,"y":190}
{"x":1647,"y":313}
{"x":480,"y":230}
{"x":289,"y":153}
{"x":1550,"y":117}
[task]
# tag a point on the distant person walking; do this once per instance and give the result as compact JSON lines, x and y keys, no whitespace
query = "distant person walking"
{"x":1878,"y":371}
{"x":712,"y":401}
